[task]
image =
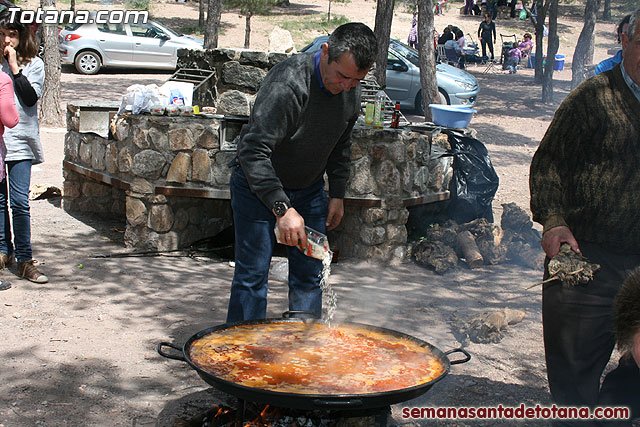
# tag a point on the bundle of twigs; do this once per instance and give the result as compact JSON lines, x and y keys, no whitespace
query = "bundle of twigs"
{"x":570,"y":268}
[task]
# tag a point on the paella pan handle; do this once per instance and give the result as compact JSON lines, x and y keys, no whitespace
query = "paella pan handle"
{"x":351,"y":403}
{"x":291,"y":314}
{"x":458,"y":350}
{"x":170,"y":356}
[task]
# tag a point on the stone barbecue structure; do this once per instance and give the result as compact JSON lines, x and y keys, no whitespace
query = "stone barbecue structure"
{"x":167,"y":176}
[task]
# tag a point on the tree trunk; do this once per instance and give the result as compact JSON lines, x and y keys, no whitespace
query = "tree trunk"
{"x":214,"y":10}
{"x":427,"y":59}
{"x":382,"y":30}
{"x":50,"y":113}
{"x":72,"y":6}
{"x":247,"y":30}
{"x":554,"y":43}
{"x":541,"y":10}
{"x":201,"y":6}
{"x":606,"y":13}
{"x":329,"y":13}
{"x":583,"y":54}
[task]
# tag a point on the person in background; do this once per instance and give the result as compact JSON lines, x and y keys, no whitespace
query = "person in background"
{"x":299,"y":129}
{"x":477,"y":9}
{"x":446,"y":35}
{"x":487,"y":34}
{"x":502,"y":9}
{"x":9,"y":116}
{"x":627,"y":314}
{"x":584,"y":181}
{"x":513,"y":59}
{"x":526,"y":46}
{"x":492,"y":8}
{"x":23,"y":149}
{"x":512,"y":8}
{"x":454,"y":52}
{"x":460,"y":39}
{"x":468,"y":7}
{"x":412,"y":40}
{"x":609,"y":63}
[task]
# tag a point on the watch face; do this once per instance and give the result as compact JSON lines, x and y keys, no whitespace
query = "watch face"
{"x":280,"y":208}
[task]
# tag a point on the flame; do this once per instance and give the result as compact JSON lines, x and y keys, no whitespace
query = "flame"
{"x":266,"y":416}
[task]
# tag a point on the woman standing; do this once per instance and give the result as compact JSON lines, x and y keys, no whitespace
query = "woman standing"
{"x":23,"y":148}
{"x":486,"y":30}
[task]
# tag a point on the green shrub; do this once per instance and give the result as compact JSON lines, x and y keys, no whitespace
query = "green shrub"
{"x":318,"y":24}
{"x":137,"y":4}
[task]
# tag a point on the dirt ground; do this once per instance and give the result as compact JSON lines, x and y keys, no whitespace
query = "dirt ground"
{"x":81,"y":350}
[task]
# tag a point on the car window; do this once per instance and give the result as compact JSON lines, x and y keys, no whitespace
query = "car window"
{"x":145,"y":30}
{"x":112,"y":29}
{"x":72,"y":27}
{"x":406,"y":52}
{"x":393,"y":59}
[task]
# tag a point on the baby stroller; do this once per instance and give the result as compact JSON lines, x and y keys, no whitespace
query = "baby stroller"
{"x":472,"y":47}
{"x":471,"y":51}
{"x":506,"y":46}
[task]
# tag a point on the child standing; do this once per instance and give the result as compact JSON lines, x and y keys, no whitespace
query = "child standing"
{"x":515,"y":55}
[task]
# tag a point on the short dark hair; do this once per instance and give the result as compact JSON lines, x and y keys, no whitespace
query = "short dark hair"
{"x":633,"y":21}
{"x":357,"y":38}
{"x":627,"y":312}
{"x":621,"y":25}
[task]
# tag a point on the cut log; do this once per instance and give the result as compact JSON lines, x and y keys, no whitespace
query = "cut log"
{"x":469,"y":250}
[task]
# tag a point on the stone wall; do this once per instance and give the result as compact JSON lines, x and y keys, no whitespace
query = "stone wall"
{"x":168,"y":177}
{"x":237,"y":76}
{"x":390,"y":170}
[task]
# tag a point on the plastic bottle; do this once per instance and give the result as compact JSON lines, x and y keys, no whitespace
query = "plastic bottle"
{"x":317,"y":243}
{"x":368,"y":115}
{"x":378,"y":112}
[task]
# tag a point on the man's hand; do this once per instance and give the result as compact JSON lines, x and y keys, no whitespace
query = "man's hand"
{"x":335,"y":213}
{"x":291,"y":226}
{"x":552,"y":239}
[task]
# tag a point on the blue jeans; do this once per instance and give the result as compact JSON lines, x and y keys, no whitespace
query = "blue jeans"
{"x":254,"y":244}
{"x":19,"y":177}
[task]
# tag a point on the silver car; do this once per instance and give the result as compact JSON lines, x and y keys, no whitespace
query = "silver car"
{"x":455,"y":86}
{"x":138,"y":45}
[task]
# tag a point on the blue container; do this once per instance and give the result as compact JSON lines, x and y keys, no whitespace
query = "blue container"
{"x":451,"y":116}
{"x":559,"y":64}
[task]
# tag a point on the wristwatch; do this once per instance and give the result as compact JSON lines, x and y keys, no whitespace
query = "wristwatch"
{"x":280,"y":208}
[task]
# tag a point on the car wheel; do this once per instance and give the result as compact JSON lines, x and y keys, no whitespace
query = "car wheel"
{"x":443,"y":98}
{"x":88,"y":62}
{"x":419,"y":109}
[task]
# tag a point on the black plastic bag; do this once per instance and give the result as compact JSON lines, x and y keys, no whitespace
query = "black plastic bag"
{"x":474,"y":182}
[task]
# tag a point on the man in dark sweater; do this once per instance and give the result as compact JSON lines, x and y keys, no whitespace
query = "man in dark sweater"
{"x":585,"y":181}
{"x":300,"y":128}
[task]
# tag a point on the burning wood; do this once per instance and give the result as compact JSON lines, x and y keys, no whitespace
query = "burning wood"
{"x":271,"y":416}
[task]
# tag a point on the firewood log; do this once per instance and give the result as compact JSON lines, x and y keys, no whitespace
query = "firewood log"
{"x":467,"y":246}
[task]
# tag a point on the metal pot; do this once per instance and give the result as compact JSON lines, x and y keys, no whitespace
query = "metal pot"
{"x":314,"y":401}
